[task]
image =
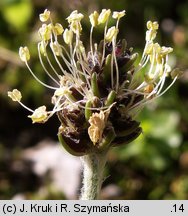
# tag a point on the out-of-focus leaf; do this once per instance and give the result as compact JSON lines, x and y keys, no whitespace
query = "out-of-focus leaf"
{"x":17,"y":13}
{"x":164,"y":125}
{"x":155,"y":148}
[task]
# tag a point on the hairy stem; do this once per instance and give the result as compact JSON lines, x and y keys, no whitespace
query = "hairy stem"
{"x":93,"y":165}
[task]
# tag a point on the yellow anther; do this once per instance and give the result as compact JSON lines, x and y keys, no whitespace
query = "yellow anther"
{"x":56,"y":48}
{"x":111,"y":33}
{"x":44,"y":16}
{"x":104,"y":15}
{"x":152,"y":25}
{"x":15,"y":95}
{"x":40,"y":115}
{"x":161,"y":52}
{"x":68,"y":36}
{"x":76,"y":27}
{"x":75,"y":16}
{"x":58,"y":29}
{"x":118,"y":15}
{"x":152,"y":30}
{"x":94,"y":18}
{"x":45,"y":32}
{"x":24,"y":54}
{"x":43,"y":48}
{"x":166,"y":50}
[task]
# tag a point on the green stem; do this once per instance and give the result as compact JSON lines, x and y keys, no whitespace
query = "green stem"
{"x":93,"y":165}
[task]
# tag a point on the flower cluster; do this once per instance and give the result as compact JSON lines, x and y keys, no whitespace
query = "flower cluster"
{"x":96,"y":93}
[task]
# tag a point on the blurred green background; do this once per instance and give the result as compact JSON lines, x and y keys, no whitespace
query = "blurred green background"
{"x":155,"y":166}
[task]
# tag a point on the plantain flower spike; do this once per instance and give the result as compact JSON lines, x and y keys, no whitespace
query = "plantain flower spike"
{"x":97,"y":91}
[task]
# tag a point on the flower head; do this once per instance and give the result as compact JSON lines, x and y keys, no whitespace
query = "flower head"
{"x":97,"y":92}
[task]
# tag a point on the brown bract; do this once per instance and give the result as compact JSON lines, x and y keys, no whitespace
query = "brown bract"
{"x":97,"y":124}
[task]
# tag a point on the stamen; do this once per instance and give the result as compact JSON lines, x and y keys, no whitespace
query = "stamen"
{"x":174,"y":80}
{"x":59,"y":64}
{"x":104,"y":43}
{"x":116,"y":65}
{"x":91,"y":45}
{"x":84,"y":72}
{"x":49,"y":62}
{"x":24,"y":106}
{"x":41,"y":61}
{"x":112,"y":72}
